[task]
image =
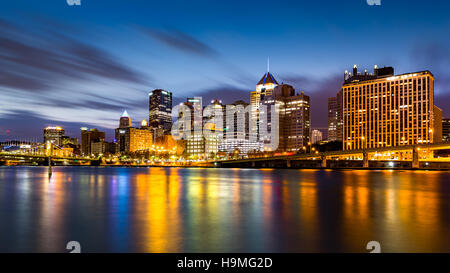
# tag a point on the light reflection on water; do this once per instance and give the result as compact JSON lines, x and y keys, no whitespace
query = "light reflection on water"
{"x":223,"y":210}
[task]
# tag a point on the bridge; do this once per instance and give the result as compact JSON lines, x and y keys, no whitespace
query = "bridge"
{"x":407,"y":156}
{"x":43,"y":154}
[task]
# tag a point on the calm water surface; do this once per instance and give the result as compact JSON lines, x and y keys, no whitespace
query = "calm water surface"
{"x":223,"y":210}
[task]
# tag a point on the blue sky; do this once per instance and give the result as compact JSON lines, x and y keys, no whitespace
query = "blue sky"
{"x":83,"y":65}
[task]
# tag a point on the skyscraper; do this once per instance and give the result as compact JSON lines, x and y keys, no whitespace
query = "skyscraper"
{"x":446,"y":129}
{"x":316,"y":136}
{"x":160,"y":112}
{"x":382,"y":110}
{"x":294,"y":117}
{"x":335,"y":118}
{"x":264,"y":88}
{"x":237,"y":131}
{"x":131,"y":139}
{"x":437,"y":131}
{"x":195,"y":142}
{"x":125,"y":120}
{"x":54,"y":134}
{"x":88,"y":137}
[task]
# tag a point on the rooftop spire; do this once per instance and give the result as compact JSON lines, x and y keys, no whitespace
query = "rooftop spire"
{"x":125,"y":114}
{"x":268,"y":64}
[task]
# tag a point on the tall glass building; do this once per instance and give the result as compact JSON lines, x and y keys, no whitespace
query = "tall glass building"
{"x":160,"y":112}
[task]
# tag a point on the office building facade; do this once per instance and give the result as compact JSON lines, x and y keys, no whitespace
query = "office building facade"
{"x":445,"y":129}
{"x":294,"y":117}
{"x":131,"y":139}
{"x":54,"y":134}
{"x":160,"y":112}
{"x":316,"y":136}
{"x":335,"y":122}
{"x":383,"y":110}
{"x":89,"y":136}
{"x":264,"y":89}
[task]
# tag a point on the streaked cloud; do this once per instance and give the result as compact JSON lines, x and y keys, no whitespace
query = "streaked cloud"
{"x":180,"y":41}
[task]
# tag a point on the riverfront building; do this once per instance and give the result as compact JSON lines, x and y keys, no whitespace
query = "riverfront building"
{"x":194,"y":139}
{"x":445,"y":129}
{"x":294,"y":117}
{"x":335,"y":118}
{"x":88,"y":138}
{"x":131,"y":139}
{"x":54,"y":135}
{"x":264,"y":88}
{"x":316,"y":136}
{"x":160,"y":112}
{"x":383,"y":109}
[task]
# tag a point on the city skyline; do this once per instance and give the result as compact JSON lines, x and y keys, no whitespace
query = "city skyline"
{"x":86,"y":72}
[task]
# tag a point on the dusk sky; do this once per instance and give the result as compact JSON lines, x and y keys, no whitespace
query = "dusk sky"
{"x":83,"y":65}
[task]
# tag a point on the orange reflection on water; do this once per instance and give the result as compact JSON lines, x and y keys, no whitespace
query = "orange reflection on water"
{"x":156,"y":204}
{"x":51,"y":220}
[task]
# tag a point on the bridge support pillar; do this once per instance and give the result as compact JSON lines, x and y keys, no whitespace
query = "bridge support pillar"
{"x":288,"y":163}
{"x":365,"y":160}
{"x":415,"y":158}
{"x":253,"y":164}
{"x":324,"y":162}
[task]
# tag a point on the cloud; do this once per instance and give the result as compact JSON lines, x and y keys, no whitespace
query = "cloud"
{"x":31,"y":61}
{"x":180,"y":41}
{"x":104,"y":104}
{"x":435,"y":56}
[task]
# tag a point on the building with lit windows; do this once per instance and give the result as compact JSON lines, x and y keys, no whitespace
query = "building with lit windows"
{"x":160,"y":112}
{"x":215,"y":130}
{"x":335,"y":118}
{"x":131,"y":139}
{"x":88,"y":137}
{"x":264,"y":88}
{"x":195,"y":141}
{"x":236,"y":138}
{"x":437,"y":131}
{"x":383,"y":109}
{"x":125,"y":120}
{"x":54,"y":134}
{"x":294,"y":117}
{"x":316,"y":136}
{"x":445,"y":129}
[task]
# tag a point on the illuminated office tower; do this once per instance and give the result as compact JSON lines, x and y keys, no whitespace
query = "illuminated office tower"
{"x":131,"y":139}
{"x":125,"y":120}
{"x":235,"y":138}
{"x":54,"y":135}
{"x":88,"y":137}
{"x":316,"y":136}
{"x":264,"y":88}
{"x":383,"y":110}
{"x":160,"y":112}
{"x":437,"y":131}
{"x":195,"y":142}
{"x":215,"y":129}
{"x":335,"y":118}
{"x":294,"y":117}
{"x":445,"y":129}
